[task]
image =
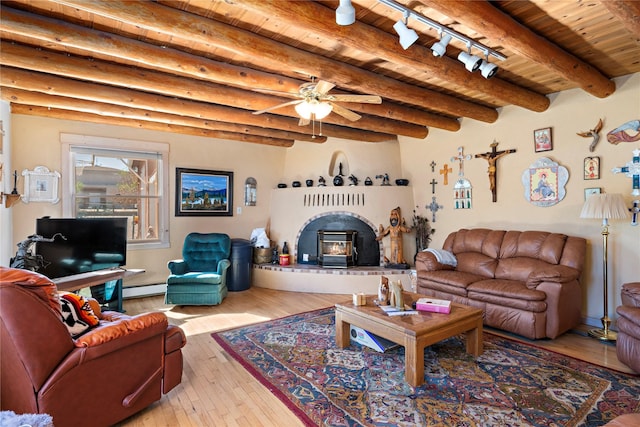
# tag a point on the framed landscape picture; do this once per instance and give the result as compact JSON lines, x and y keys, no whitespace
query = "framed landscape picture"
{"x":542,"y":140}
{"x":202,"y":192}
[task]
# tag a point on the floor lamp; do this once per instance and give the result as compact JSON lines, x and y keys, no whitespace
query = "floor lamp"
{"x":605,"y":207}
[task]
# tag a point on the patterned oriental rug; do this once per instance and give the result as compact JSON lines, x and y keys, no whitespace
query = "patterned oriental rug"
{"x":510,"y":384}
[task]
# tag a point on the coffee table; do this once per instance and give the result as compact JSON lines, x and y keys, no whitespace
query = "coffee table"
{"x":414,"y":332}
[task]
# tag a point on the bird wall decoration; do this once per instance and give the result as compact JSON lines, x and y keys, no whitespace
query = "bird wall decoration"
{"x":592,"y":133}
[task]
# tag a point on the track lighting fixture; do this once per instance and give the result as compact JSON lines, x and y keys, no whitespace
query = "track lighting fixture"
{"x":345,"y":13}
{"x":440,"y":48}
{"x":471,"y":62}
{"x":407,"y":35}
{"x":487,"y":69}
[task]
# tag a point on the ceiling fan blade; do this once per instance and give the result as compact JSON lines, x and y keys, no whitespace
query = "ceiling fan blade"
{"x":347,"y":114}
{"x":364,"y":99}
{"x":303,"y":121}
{"x":275,"y":107}
{"x":322,"y":87}
{"x":277,"y":93}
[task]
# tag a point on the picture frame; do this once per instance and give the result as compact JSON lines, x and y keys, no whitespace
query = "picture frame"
{"x":201,"y":192}
{"x":591,"y":168}
{"x":542,"y":140}
{"x":544,"y":182}
{"x":40,"y":185}
{"x":588,"y":192}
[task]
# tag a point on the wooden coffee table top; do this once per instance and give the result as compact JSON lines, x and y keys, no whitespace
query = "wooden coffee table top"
{"x":412,"y":324}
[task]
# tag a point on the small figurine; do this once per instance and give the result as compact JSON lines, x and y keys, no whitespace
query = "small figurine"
{"x":368,"y":182}
{"x":396,"y":298}
{"x":383,"y":291}
{"x":592,"y":133}
{"x":322,"y":182}
{"x":384,"y":178}
{"x":353,"y":179}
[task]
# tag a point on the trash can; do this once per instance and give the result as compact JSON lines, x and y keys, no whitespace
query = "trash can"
{"x":239,"y":273}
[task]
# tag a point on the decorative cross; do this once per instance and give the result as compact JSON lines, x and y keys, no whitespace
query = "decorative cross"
{"x":634,"y":212}
{"x":446,"y":170}
{"x":461,"y":158}
{"x":434,"y":207}
{"x":433,"y":165}
{"x":632,"y":170}
{"x":492,"y":157}
{"x":433,"y":185}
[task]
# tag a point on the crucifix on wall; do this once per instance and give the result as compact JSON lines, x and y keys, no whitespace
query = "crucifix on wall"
{"x":492,"y":158}
{"x":445,"y":171}
{"x":433,"y":165}
{"x":632,"y":170}
{"x":433,"y":185}
{"x":434,"y":207}
{"x":461,"y":158}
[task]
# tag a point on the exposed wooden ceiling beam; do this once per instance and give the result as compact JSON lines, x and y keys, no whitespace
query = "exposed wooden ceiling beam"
{"x":18,"y":96}
{"x":142,"y":124}
{"x":321,"y":20}
{"x":25,"y":57}
{"x":34,"y":81}
{"x":481,"y":16}
{"x":191,"y":28}
{"x":627,"y":12}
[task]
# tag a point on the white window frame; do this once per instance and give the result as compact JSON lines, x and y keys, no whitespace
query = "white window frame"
{"x":68,"y":141}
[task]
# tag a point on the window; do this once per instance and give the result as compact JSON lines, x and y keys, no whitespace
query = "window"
{"x":106,"y":177}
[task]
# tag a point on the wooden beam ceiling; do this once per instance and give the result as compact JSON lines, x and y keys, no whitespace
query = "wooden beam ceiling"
{"x":202,"y":67}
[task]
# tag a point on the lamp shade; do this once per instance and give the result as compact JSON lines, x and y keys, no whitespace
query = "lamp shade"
{"x":304,"y":110}
{"x":407,"y":35}
{"x":322,"y":110}
{"x":604,"y":206}
{"x":345,"y":13}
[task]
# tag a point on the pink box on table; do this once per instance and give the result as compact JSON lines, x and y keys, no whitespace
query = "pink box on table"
{"x":434,"y":305}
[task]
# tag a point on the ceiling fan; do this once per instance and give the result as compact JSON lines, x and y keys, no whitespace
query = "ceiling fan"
{"x":315,"y":103}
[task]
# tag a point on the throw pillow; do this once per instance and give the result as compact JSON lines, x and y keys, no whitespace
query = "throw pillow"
{"x":77,"y":314}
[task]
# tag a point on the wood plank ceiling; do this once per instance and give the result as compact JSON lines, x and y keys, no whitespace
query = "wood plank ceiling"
{"x":202,"y":67}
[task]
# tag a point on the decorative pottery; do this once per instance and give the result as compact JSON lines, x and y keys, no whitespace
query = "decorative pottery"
{"x":309,"y":183}
{"x":402,"y":182}
{"x":296,"y":184}
{"x":281,"y":185}
{"x":368,"y":181}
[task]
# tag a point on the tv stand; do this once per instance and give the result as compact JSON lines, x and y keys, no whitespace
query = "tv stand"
{"x":97,"y":277}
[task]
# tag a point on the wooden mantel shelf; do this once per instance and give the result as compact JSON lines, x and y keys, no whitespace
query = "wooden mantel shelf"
{"x":9,"y":199}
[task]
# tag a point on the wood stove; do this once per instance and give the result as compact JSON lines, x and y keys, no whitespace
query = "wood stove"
{"x":337,"y":248}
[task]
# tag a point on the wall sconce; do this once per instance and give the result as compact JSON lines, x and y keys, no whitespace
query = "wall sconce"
{"x":345,"y":13}
{"x":407,"y":35}
{"x":250,"y":191}
{"x":440,"y":48}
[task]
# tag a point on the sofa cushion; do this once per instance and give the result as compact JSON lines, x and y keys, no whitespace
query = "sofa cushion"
{"x":479,"y":240}
{"x":190,"y":278}
{"x":476,"y":263}
{"x":38,"y":284}
{"x":540,"y":245}
{"x":508,"y":293}
{"x":631,"y":294}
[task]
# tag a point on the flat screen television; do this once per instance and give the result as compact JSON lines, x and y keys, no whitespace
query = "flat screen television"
{"x":91,"y":244}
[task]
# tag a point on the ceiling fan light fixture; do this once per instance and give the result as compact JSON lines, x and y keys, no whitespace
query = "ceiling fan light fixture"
{"x":471,"y":62}
{"x":487,"y":69}
{"x":440,"y":48}
{"x":345,"y":13}
{"x":407,"y":35}
{"x":304,"y":110}
{"x":322,"y":110}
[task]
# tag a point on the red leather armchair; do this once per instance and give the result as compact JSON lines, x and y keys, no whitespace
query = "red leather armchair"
{"x":106,"y":375}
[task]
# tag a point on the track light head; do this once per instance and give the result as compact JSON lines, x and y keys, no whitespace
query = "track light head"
{"x":407,"y":35}
{"x":345,"y":13}
{"x":487,"y":69}
{"x":440,"y":48}
{"x":471,"y":62}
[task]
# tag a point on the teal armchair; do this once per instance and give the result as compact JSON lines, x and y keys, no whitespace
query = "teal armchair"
{"x":200,"y":277}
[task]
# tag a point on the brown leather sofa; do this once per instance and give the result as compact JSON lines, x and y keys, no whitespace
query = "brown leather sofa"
{"x":109,"y":373}
{"x":628,"y":343}
{"x":526,"y":281}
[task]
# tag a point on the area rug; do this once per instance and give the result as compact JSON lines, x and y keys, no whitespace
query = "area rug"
{"x":510,"y":384}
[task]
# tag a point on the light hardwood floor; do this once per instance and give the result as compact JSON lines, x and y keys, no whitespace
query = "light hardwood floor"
{"x":217,"y":391}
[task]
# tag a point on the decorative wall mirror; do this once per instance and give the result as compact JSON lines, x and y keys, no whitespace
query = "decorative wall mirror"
{"x":40,"y":185}
{"x":250,"y":191}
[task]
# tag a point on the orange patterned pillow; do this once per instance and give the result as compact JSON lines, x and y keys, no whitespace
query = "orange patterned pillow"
{"x":77,"y":314}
